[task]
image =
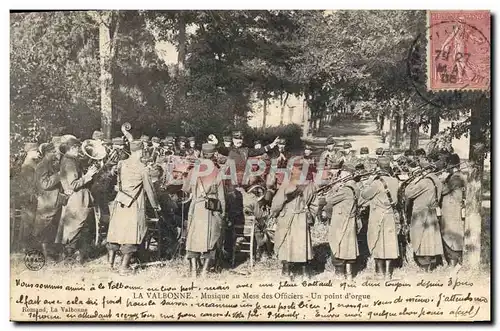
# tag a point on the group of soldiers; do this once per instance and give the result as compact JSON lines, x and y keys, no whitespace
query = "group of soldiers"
{"x":396,"y":200}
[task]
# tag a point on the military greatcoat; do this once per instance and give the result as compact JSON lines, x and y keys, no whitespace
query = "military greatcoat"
{"x":425,"y":232}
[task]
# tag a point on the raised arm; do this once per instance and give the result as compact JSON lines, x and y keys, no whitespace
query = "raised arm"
{"x":69,"y":173}
{"x":46,"y":181}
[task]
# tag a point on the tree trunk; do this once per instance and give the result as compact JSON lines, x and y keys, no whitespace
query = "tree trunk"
{"x":382,"y":120}
{"x":414,"y":135}
{"x":397,"y":137}
{"x":305,"y":120}
{"x":181,"y":55}
{"x":405,"y":124}
{"x":435,"y":125}
{"x":282,"y":104}
{"x":264,"y":112}
{"x":472,"y":240}
{"x":106,"y":78}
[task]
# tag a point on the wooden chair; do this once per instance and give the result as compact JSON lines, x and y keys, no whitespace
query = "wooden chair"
{"x":245,"y":231}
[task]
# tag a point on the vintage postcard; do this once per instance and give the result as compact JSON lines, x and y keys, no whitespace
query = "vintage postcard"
{"x":250,"y":165}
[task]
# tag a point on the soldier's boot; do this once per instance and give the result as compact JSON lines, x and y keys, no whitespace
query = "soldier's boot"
{"x":292,"y":267}
{"x":348,"y":271}
{"x":206,"y":265}
{"x":45,"y":251}
{"x":380,"y":267}
{"x":111,"y":258}
{"x":340,"y":270}
{"x":285,"y":269}
{"x":125,"y":265}
{"x":193,"y":267}
{"x":305,"y":271}
{"x":453,"y":262}
{"x":388,"y":270}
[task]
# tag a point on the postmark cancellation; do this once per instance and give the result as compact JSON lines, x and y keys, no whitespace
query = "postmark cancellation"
{"x":458,"y":52}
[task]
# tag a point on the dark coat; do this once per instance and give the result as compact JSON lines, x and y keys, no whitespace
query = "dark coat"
{"x":79,"y":206}
{"x":49,"y":204}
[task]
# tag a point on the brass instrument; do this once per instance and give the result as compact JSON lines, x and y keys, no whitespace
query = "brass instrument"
{"x":125,"y":128}
{"x":258,"y":190}
{"x":95,"y":151}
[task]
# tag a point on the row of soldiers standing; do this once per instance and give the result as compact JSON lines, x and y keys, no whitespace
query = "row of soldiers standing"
{"x":65,"y":201}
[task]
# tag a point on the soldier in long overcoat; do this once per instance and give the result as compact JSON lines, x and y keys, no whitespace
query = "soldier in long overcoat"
{"x":24,"y":193}
{"x":452,"y":221}
{"x":383,"y":225}
{"x":425,"y":231}
{"x":75,"y":224}
{"x":205,"y":226}
{"x":49,"y":196}
{"x":127,"y":226}
{"x":342,"y":233}
{"x":294,"y":207}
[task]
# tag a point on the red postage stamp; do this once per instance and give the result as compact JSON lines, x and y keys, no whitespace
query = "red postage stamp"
{"x":458,"y":52}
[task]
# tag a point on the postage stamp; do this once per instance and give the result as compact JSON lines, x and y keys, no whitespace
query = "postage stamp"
{"x":458,"y":52}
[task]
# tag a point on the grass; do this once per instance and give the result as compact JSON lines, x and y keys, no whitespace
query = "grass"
{"x":170,"y":271}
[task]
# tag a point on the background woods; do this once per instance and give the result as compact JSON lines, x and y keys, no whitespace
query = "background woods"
{"x":74,"y":72}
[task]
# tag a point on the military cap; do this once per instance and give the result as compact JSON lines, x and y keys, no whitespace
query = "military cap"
{"x":309,"y":147}
{"x":98,"y":135}
{"x":257,"y":142}
{"x":136,"y":145}
{"x":182,"y":138}
{"x":237,"y":135}
{"x":281,"y":141}
{"x":379,"y":151}
{"x":420,"y":152}
{"x":155,"y":171}
{"x":226,"y":138}
{"x":453,"y":160}
{"x":330,"y":141}
{"x":29,"y":147}
{"x":384,"y":162}
{"x":359,"y":166}
{"x":46,"y":147}
{"x":397,"y":151}
{"x":168,"y":139}
{"x":336,"y":164}
{"x":364,"y":150}
{"x":347,"y":145}
{"x":408,"y":152}
{"x":155,"y":140}
{"x":118,"y":141}
{"x":67,"y":137}
{"x":70,"y":142}
{"x":144,"y":138}
{"x":191,"y":139}
{"x":207,"y":148}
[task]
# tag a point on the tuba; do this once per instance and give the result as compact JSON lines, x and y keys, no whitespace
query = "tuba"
{"x":95,"y":151}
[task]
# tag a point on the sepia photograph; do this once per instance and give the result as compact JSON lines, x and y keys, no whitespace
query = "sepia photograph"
{"x":250,"y":165}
